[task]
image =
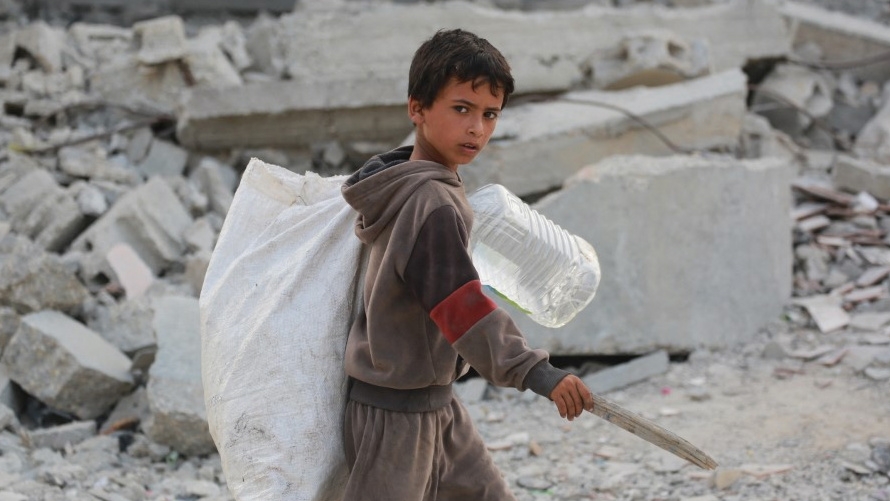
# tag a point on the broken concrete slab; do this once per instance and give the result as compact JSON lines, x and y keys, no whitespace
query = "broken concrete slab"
{"x":161,"y":39}
{"x":322,"y":45}
{"x":208,"y":64}
{"x":126,"y":82}
{"x":127,"y":325}
{"x":150,"y":219}
{"x":872,"y":141}
{"x":42,"y":210}
{"x":826,"y":311}
{"x":66,"y":365}
{"x":59,"y":437}
{"x":840,"y":36}
{"x":650,"y":58}
{"x":323,"y":57}
{"x":699,"y":252}
{"x":217,"y":181}
{"x":294,"y":113}
{"x":175,"y":389}
{"x":31,"y":279}
{"x":44,"y":43}
{"x":164,"y":158}
{"x":622,"y":375}
{"x":572,"y":131}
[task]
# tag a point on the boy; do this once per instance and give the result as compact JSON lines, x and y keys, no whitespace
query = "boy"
{"x":425,"y":316}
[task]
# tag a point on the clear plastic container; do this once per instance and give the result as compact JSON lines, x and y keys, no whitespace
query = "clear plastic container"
{"x":529,"y":260}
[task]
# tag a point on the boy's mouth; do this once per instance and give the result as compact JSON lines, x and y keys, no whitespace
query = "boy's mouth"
{"x":471,"y":146}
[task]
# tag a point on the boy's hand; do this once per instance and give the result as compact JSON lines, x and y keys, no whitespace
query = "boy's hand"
{"x":571,"y":397}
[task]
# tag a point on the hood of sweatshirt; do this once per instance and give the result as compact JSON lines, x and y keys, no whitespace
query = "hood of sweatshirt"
{"x":378,"y":190}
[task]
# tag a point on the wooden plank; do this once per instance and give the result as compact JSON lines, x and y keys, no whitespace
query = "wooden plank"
{"x":651,"y":432}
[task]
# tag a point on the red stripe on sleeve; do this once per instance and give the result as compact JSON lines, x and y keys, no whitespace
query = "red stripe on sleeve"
{"x":461,"y":310}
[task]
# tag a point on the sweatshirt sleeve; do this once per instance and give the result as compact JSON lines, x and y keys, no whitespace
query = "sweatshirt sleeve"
{"x":441,"y":274}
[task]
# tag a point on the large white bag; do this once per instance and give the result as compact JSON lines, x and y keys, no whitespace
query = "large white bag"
{"x":276,"y":306}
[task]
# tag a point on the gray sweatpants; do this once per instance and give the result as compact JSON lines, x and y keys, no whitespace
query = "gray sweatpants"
{"x":434,"y":455}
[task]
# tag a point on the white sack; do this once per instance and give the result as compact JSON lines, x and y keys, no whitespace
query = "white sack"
{"x":276,"y":306}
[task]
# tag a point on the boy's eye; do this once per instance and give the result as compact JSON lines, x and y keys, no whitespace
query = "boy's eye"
{"x":461,"y":109}
{"x":491,"y":115}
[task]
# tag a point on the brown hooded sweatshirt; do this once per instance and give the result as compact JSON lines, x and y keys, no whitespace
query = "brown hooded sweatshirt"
{"x":424,"y":309}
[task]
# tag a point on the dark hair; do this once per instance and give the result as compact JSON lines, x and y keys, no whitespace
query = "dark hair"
{"x":456,"y":54}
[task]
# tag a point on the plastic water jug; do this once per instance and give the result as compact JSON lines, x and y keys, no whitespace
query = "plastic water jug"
{"x":529,"y":260}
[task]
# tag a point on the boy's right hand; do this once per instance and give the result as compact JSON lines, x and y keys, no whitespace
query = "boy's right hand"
{"x":571,"y":397}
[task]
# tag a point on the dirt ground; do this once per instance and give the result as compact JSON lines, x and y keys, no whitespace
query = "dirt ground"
{"x":780,"y":429}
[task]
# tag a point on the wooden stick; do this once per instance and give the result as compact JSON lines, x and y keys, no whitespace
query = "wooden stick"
{"x":651,"y":432}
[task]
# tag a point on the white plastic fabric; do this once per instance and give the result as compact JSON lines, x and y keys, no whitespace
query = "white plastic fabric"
{"x":276,"y":305}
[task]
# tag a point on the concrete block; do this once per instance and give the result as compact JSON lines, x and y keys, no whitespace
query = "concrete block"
{"x":175,"y":389}
{"x":132,"y":408}
{"x":125,"y":81}
{"x":66,"y":365}
{"x":31,"y":279}
{"x":132,"y":272}
{"x":127,"y":325}
{"x":217,"y":181}
{"x":161,"y":39}
{"x":208,"y":63}
{"x":626,"y":374}
{"x":91,"y":162}
{"x":44,"y":43}
{"x":163,"y":159}
{"x":537,"y":146}
{"x":150,"y":219}
{"x":59,"y":437}
{"x":294,"y":113}
{"x":695,"y":253}
{"x":42,"y":210}
{"x":858,"y":175}
{"x":840,"y":36}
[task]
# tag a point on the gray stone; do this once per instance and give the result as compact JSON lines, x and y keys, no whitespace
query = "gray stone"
{"x":163,"y":159}
{"x":175,"y":390}
{"x":124,"y":81}
{"x":626,"y":374}
{"x":161,"y":39}
{"x":90,"y":200}
{"x":208,"y":64}
{"x":130,"y":409}
{"x":649,"y":58}
{"x":696,"y":252}
{"x":31,"y":279}
{"x":91,"y":162}
{"x":803,"y":88}
{"x":44,"y":43}
{"x":149,"y":218}
{"x":137,"y":146}
{"x":59,"y":437}
{"x":66,"y":365}
{"x":127,"y":325}
{"x":857,"y":175}
{"x":42,"y":210}
{"x":9,"y":323}
{"x":196,"y":268}
{"x":217,"y":181}
{"x":200,"y":236}
{"x":840,"y":36}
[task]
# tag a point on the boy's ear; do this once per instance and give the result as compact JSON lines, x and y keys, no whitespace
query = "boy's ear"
{"x":415,"y":111}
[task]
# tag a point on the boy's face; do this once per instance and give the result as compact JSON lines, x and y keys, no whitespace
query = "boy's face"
{"x":458,"y":124}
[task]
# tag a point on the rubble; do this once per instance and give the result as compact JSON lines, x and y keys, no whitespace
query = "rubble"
{"x":755,"y":211}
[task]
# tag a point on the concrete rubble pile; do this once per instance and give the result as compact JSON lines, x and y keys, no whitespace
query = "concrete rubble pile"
{"x":123,"y":148}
